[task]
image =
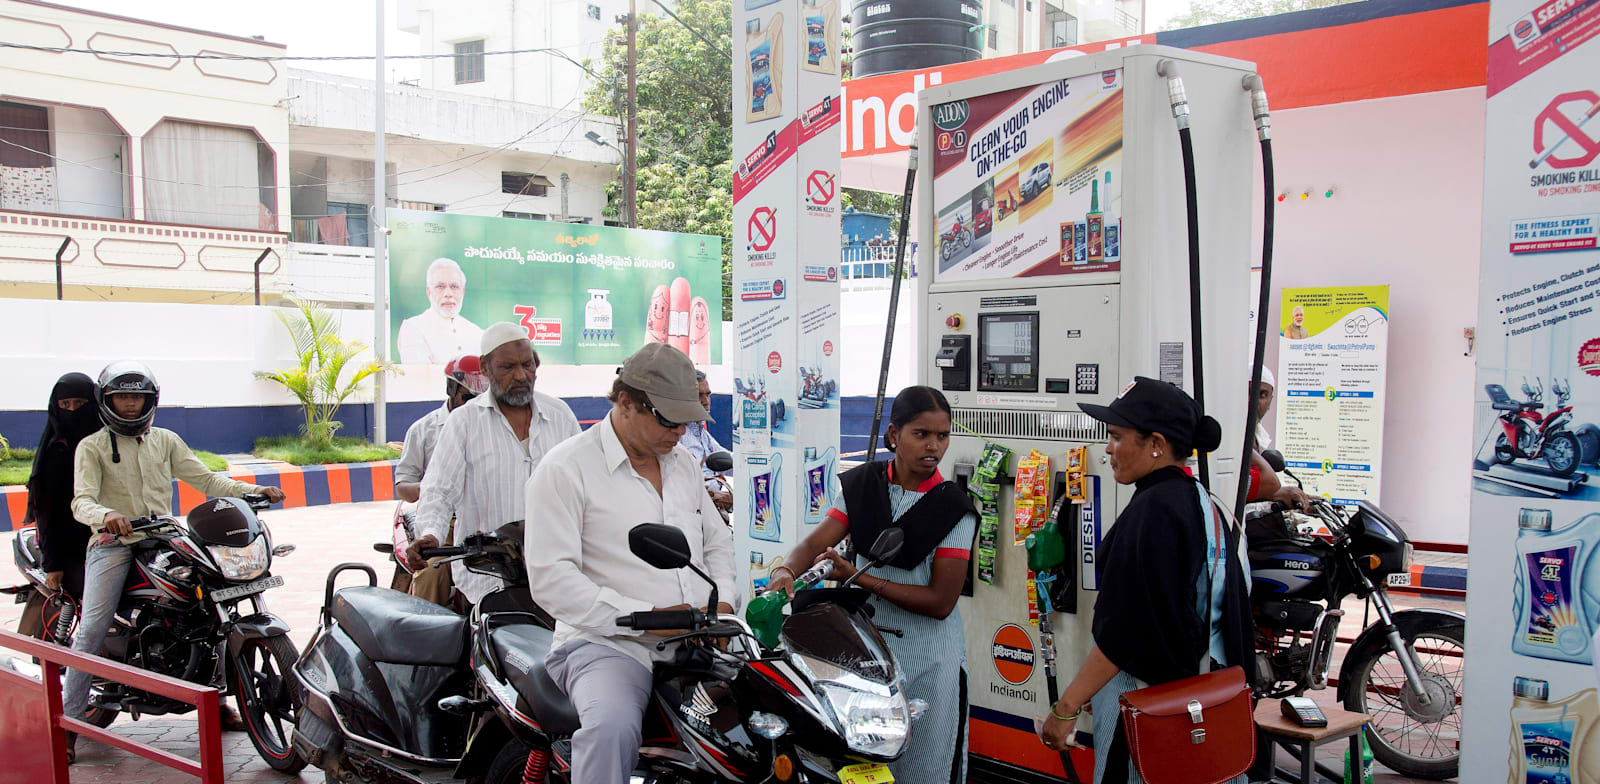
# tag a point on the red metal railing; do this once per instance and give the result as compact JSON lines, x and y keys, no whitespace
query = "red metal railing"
{"x":31,"y":719}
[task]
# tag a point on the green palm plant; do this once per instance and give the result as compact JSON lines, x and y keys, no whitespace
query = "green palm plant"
{"x":318,"y":381}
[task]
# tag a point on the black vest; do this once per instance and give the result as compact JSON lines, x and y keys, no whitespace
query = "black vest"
{"x":926,"y":523}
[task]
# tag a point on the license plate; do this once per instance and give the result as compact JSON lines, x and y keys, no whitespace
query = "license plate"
{"x":1400,"y":578}
{"x":866,"y":774}
{"x":247,"y":589}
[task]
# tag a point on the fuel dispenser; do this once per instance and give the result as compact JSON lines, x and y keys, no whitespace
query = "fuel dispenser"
{"x":1054,"y":200}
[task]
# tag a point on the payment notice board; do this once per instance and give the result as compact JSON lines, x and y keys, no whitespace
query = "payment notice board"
{"x":1332,"y":357}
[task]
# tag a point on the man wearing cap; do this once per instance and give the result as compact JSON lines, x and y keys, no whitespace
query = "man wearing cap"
{"x":486,"y":452}
{"x":463,"y":382}
{"x":581,"y":503}
{"x":698,"y":440}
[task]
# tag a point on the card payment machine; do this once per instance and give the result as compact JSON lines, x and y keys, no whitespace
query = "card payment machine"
{"x":954,"y":360}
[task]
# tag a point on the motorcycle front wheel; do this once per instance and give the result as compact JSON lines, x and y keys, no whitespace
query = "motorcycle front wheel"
{"x":1422,"y":741}
{"x":267,"y":699}
{"x":1561,"y":452}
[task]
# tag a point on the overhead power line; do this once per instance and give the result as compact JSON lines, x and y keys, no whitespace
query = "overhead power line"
{"x":698,"y":34}
{"x":274,"y":58}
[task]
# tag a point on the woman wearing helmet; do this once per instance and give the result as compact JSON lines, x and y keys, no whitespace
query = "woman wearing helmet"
{"x":125,"y":471}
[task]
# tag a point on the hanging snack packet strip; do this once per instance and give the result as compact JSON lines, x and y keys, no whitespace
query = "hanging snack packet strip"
{"x":1077,"y":461}
{"x":1033,"y":600}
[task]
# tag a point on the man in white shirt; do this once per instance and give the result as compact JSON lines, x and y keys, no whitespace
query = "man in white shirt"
{"x":487,"y":451}
{"x":1262,"y":399}
{"x":698,"y":440}
{"x":581,"y":504}
{"x":440,"y":332}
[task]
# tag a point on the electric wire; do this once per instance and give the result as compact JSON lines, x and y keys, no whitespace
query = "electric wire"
{"x":719,"y":50}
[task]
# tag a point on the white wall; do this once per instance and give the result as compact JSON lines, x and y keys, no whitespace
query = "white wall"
{"x":1407,"y":176}
{"x":92,"y":183}
{"x":861,"y":331}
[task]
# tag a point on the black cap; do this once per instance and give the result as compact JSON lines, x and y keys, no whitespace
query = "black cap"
{"x":1159,"y":407}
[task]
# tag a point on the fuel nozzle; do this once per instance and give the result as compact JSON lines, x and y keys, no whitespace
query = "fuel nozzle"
{"x":1175,"y":92}
{"x":1258,"y":106}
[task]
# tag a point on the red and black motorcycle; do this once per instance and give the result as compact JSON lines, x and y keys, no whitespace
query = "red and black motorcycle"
{"x":1532,"y":435}
{"x":959,"y":237}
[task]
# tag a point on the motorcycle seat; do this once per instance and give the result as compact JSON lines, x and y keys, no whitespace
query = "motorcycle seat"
{"x":389,"y":626}
{"x":521,"y":649}
{"x":1508,"y":405}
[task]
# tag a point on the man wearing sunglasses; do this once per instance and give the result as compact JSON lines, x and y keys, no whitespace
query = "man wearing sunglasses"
{"x":464,"y":381}
{"x":487,"y":450}
{"x":581,"y":504}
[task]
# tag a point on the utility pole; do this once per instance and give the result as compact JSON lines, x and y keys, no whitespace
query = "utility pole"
{"x":630,"y":178}
{"x":378,"y":224}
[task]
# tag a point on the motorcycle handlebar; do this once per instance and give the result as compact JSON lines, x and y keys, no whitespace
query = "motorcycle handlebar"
{"x":656,"y":620}
{"x":442,"y":552}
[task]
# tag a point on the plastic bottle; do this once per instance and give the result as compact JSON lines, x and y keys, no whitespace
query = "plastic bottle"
{"x":597,"y":323}
{"x":764,"y":501}
{"x":1096,"y":221}
{"x":821,"y":476}
{"x":1556,"y":600}
{"x":822,"y":36}
{"x":763,"y":69}
{"x":1548,"y":739}
{"x":1366,"y":762}
{"x":1113,"y":230}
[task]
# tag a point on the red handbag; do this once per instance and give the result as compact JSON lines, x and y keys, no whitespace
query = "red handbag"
{"x":1198,"y":730}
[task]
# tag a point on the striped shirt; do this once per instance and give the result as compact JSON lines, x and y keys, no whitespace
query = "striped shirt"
{"x":421,"y":437}
{"x":478,"y":470}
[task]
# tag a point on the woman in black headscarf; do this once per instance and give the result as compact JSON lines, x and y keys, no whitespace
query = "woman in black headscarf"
{"x":63,"y":540}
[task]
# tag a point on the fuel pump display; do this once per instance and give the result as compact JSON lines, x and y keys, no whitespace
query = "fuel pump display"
{"x":1079,"y":287}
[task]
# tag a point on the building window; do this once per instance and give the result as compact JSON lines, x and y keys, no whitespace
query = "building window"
{"x":423,"y":206}
{"x":524,"y":184}
{"x":525,"y":215}
{"x":1060,"y":28}
{"x":209,"y":175}
{"x":24,"y":136}
{"x":994,"y":38}
{"x":594,"y":11}
{"x":469,"y":62}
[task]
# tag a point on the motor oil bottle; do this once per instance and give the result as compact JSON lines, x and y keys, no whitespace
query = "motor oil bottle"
{"x":1549,"y":739}
{"x":763,"y":69}
{"x":1096,"y":221}
{"x":1556,"y":600}
{"x":821,"y":477}
{"x":764,"y":500}
{"x":822,"y":36}
{"x":1113,"y":230}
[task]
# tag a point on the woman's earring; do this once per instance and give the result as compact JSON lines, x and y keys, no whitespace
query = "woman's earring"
{"x":1155,"y":454}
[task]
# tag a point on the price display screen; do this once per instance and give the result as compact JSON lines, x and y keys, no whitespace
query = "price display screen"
{"x":1008,"y":358}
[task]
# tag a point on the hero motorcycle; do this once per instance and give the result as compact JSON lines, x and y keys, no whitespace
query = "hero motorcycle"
{"x":181,"y":614}
{"x":1530,"y":434}
{"x":957,"y":238}
{"x":1404,"y":669}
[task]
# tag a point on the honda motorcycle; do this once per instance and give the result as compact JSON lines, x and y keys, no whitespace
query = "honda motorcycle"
{"x":959,"y":237}
{"x":1404,"y":670}
{"x":181,"y":615}
{"x":1531,"y":435}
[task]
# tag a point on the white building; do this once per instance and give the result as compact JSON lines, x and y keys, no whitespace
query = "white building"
{"x":1015,"y":26}
{"x":155,"y":176}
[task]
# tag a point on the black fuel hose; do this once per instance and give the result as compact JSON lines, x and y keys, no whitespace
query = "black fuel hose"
{"x":894,"y":303}
{"x":1196,"y":337}
{"x":1263,"y":122}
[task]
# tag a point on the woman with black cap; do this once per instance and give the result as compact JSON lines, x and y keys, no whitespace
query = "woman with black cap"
{"x":70,"y":418}
{"x":916,"y":591}
{"x":1165,"y":556}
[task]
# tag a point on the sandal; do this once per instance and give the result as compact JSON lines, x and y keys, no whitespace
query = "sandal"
{"x":231,"y":720}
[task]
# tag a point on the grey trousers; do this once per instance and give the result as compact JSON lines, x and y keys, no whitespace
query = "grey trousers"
{"x":610,"y":690}
{"x":105,"y":571}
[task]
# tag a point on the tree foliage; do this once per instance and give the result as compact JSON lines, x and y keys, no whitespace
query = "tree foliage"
{"x":1204,"y":12}
{"x":317,"y":381}
{"x":685,"y":122}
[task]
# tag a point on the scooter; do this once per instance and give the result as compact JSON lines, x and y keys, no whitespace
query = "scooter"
{"x":827,"y":704}
{"x":1530,"y":435}
{"x":1404,"y":669}
{"x":181,"y":615}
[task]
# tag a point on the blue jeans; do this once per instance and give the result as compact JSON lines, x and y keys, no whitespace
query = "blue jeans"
{"x":105,"y":572}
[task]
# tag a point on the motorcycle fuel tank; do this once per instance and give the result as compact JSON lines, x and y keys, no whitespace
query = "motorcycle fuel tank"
{"x":1288,"y":568}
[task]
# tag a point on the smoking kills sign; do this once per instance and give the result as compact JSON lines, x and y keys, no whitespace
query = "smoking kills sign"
{"x":762,"y":229}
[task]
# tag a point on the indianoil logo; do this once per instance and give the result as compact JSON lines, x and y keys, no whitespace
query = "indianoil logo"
{"x":1012,"y":651}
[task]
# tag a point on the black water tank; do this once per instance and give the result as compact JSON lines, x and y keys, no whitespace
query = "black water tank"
{"x":901,"y":35}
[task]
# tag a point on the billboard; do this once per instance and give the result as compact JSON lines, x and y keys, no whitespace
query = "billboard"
{"x":585,"y":294}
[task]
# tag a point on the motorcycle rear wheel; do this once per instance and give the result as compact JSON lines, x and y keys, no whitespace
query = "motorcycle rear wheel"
{"x":267,"y":700}
{"x":1402,"y":734}
{"x":1562,"y":453}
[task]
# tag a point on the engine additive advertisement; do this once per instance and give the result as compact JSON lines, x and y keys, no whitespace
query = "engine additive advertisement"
{"x":786,"y":228}
{"x":1533,"y":603}
{"x":1029,"y":181}
{"x":585,"y":294}
{"x":1332,"y":359}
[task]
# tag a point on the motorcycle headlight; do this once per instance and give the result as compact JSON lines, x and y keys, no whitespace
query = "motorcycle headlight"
{"x":241,"y":563}
{"x":1409,"y":556}
{"x":873,"y":716}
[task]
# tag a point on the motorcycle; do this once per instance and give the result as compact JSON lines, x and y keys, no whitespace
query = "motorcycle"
{"x":1404,"y":669}
{"x":815,"y":389}
{"x":829,"y":700}
{"x":180,"y":616}
{"x":755,"y":396}
{"x":960,"y":234}
{"x":1531,"y":435}
{"x":388,"y":693}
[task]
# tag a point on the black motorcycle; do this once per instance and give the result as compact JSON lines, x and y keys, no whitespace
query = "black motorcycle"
{"x":1404,"y":669}
{"x":180,"y":615}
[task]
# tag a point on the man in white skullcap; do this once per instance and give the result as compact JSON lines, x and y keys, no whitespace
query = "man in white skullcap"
{"x":486,"y":452}
{"x":1263,"y":399}
{"x":440,"y":333}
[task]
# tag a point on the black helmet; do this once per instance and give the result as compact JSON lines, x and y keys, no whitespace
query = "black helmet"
{"x":124,"y":378}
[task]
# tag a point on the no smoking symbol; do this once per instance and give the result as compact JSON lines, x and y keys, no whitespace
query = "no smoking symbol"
{"x":819,"y":187}
{"x":762,"y":228}
{"x":1569,"y":128}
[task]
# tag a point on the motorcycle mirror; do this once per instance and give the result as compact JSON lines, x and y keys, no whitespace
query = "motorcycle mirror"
{"x":1274,"y":459}
{"x":661,"y":546}
{"x":887,"y":545}
{"x":719,"y":461}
